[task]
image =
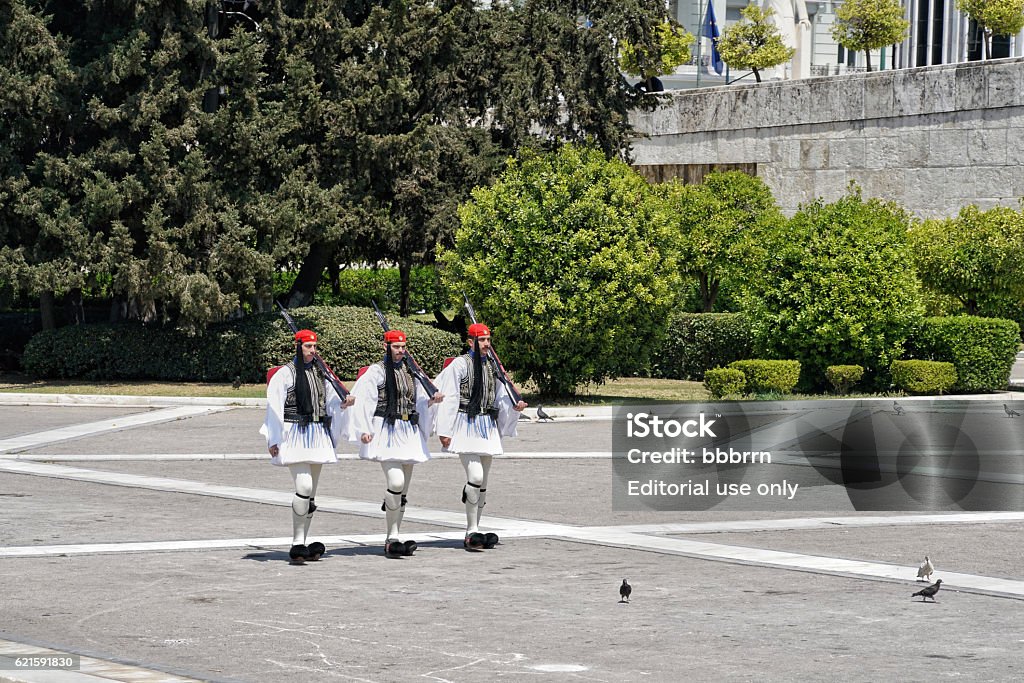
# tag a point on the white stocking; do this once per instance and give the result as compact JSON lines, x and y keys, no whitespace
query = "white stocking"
{"x":475,"y":481}
{"x":300,"y":501}
{"x":314,"y":471}
{"x":394,"y":473}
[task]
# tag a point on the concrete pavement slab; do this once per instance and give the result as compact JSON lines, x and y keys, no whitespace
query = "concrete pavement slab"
{"x":532,"y":607}
{"x":18,"y":420}
{"x":543,"y":603}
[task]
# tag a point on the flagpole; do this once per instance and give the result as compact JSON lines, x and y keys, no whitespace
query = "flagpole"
{"x":700,"y":37}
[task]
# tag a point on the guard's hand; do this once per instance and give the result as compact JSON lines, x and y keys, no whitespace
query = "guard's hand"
{"x":519,"y":407}
{"x":274,"y":450}
{"x":366,"y":438}
{"x":446,"y":441}
{"x":437,"y":398}
{"x":349,"y":401}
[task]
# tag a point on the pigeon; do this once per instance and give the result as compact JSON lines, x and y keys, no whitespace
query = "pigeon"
{"x":1010,"y":412}
{"x":897,"y":407}
{"x":924,"y":572}
{"x":541,"y":415}
{"x":625,"y":589}
{"x":237,"y":383}
{"x":928,"y":592}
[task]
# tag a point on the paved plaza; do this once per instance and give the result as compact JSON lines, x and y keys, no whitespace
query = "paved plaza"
{"x":150,"y":540}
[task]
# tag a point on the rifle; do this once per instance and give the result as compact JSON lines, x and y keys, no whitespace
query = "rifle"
{"x":499,"y":369}
{"x":328,"y":373}
{"x":414,"y":367}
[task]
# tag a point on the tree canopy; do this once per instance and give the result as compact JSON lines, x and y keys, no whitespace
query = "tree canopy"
{"x":172,"y":157}
{"x":866,"y":25}
{"x":1002,"y":17}
{"x":755,"y":43}
{"x":714,"y":222}
{"x":976,"y":257}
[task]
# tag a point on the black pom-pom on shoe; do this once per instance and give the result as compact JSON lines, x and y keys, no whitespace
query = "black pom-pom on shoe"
{"x":315,"y":550}
{"x":490,"y":540}
{"x":410,"y":547}
{"x":298,"y":554}
{"x":474,"y":541}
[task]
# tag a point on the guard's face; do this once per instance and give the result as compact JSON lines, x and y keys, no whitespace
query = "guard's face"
{"x":308,"y":350}
{"x":485,"y":344}
{"x":398,"y":351}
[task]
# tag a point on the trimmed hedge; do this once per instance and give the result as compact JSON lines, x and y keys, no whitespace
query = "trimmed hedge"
{"x":246,"y":348}
{"x":696,"y":342}
{"x":765,"y":376}
{"x":982,"y":349}
{"x":842,"y":377}
{"x":923,"y":376}
{"x":724,"y":381}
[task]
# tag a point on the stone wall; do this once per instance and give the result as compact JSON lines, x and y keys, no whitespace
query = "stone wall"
{"x":933,"y":139}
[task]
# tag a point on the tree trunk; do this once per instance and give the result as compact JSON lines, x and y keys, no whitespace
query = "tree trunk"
{"x":118,"y":309}
{"x":867,"y":59}
{"x":46,"y":310}
{"x":894,"y":56}
{"x":709,"y":306}
{"x":334,"y":275}
{"x":73,"y":307}
{"x":404,"y":271}
{"x":757,"y":75}
{"x":705,"y":292}
{"x":308,"y":279}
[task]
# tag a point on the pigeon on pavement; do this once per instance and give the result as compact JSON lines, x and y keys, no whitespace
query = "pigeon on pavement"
{"x":541,"y":415}
{"x":1010,"y":412}
{"x":924,"y":572}
{"x":897,"y":407}
{"x":928,"y":592}
{"x":624,"y":591}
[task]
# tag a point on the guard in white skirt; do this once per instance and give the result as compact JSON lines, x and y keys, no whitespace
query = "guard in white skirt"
{"x":391,"y":422}
{"x":305,"y":419}
{"x":476,"y":414}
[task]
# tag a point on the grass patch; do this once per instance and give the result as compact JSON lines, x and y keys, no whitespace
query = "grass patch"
{"x":622,"y":390}
{"x":625,"y":390}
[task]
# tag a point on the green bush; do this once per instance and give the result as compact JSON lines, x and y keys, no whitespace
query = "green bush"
{"x":842,"y":377}
{"x":698,"y":341}
{"x":350,"y":338}
{"x":570,"y":260}
{"x":982,"y":349}
{"x":765,"y":376}
{"x":923,"y":376}
{"x":835,"y":286}
{"x":724,"y":381}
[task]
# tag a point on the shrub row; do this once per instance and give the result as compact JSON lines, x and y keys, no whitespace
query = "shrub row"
{"x":923,"y":376}
{"x":698,"y":341}
{"x":753,"y":377}
{"x":350,"y":338}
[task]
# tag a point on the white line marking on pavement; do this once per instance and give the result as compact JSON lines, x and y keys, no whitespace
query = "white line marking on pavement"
{"x":818,"y":523}
{"x":88,"y":457}
{"x":811,"y":563}
{"x":26,"y":441}
{"x":610,"y":536}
